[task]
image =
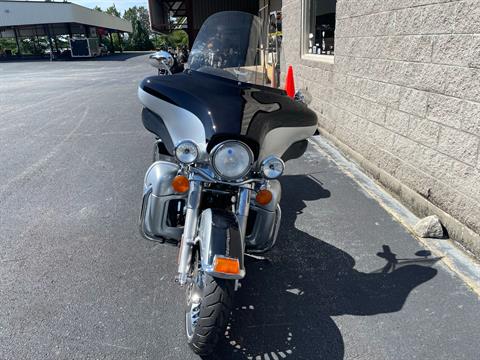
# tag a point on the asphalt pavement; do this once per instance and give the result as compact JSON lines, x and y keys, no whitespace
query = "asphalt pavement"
{"x":346,"y":281}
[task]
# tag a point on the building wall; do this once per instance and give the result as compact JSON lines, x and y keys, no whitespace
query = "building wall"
{"x":403,"y":98}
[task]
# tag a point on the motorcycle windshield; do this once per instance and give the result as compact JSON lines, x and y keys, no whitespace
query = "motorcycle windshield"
{"x":229,"y":45}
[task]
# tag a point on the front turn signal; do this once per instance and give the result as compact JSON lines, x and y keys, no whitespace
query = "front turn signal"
{"x":180,"y":184}
{"x":226,"y":265}
{"x":263,"y":197}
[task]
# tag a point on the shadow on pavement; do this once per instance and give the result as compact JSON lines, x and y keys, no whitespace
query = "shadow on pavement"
{"x":111,"y":57}
{"x":284,"y":307}
{"x":114,"y":57}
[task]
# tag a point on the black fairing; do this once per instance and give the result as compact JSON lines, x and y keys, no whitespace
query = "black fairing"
{"x":227,"y":107}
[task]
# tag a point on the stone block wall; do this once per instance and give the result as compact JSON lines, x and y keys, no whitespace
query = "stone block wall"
{"x":403,"y":94}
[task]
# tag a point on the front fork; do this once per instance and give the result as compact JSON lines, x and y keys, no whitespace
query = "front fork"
{"x":189,"y":231}
{"x":191,"y":224}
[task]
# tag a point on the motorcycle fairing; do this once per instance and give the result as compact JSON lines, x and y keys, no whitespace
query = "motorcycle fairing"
{"x":213,"y":105}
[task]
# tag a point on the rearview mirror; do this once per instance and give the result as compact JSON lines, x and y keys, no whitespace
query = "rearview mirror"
{"x":303,"y":96}
{"x":162,"y":60}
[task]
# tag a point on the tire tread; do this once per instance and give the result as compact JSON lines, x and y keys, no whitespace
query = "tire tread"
{"x":214,"y":313}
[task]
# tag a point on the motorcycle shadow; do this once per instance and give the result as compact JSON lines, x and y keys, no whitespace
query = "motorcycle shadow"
{"x":283,"y":309}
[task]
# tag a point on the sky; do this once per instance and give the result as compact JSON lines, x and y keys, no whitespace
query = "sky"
{"x":121,"y":5}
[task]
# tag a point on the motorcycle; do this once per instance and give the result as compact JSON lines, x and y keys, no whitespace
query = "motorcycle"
{"x":166,"y":63}
{"x":222,"y":142}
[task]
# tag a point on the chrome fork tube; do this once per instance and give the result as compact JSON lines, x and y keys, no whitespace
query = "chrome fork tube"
{"x":189,"y":231}
{"x":243,"y":207}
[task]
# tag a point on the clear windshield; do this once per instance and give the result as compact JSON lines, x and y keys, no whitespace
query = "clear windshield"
{"x":228,"y":45}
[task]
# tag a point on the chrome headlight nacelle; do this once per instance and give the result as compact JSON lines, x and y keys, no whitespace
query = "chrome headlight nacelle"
{"x":187,"y":152}
{"x":231,"y":159}
{"x":272,"y":167}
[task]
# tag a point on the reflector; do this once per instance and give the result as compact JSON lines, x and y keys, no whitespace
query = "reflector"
{"x":180,"y":184}
{"x":263,"y":197}
{"x":226,"y":265}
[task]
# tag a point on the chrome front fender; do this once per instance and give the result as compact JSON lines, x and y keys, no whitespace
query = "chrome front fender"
{"x":220,"y":236}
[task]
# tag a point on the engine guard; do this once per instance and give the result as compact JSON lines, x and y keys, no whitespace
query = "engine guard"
{"x":157,"y":223}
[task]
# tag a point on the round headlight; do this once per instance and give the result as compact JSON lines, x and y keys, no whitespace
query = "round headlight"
{"x":232,"y":159}
{"x":186,"y":152}
{"x":272,"y":167}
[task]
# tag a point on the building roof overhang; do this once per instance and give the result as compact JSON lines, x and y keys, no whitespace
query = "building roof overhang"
{"x":30,"y":13}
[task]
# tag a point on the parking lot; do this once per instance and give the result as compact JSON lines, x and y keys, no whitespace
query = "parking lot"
{"x":346,"y":281}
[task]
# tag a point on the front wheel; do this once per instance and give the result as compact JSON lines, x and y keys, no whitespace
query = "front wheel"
{"x":209,"y":302}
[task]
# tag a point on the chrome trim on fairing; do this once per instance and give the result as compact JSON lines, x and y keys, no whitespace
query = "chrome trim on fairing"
{"x":205,"y":176}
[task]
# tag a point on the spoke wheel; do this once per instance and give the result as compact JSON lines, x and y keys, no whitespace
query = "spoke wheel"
{"x":194,"y":299}
{"x":208,"y":306}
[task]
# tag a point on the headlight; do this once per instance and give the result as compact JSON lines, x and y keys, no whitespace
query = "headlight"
{"x":272,"y":167}
{"x":186,"y":152}
{"x":232,"y":159}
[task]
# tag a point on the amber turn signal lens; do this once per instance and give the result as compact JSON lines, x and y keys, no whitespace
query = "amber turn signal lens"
{"x":180,"y":184}
{"x":263,"y":197}
{"x":226,"y":265}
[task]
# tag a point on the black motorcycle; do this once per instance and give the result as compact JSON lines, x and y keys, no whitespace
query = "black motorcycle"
{"x":222,"y":144}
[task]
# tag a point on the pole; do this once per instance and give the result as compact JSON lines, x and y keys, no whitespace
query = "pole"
{"x":47,"y":31}
{"x":111,"y":41}
{"x":55,"y":40}
{"x":190,"y":31}
{"x":19,"y":52}
{"x":120,"y":40}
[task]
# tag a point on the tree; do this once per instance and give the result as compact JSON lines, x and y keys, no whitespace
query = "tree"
{"x":140,"y":39}
{"x":112,"y":10}
{"x":178,"y":38}
{"x":7,"y":44}
{"x":98,"y":8}
{"x":138,"y":13}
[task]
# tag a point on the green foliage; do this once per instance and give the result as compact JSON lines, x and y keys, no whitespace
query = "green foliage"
{"x":98,"y":8}
{"x":138,"y":13}
{"x":178,"y":38}
{"x":112,"y":10}
{"x":140,"y":39}
{"x":8,"y":44}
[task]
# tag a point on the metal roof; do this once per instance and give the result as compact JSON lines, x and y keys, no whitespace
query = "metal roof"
{"x":24,"y":13}
{"x":167,"y":15}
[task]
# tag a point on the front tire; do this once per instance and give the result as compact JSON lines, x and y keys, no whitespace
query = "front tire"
{"x":209,"y":303}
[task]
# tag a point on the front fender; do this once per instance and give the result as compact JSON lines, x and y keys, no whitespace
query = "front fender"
{"x":219,"y":235}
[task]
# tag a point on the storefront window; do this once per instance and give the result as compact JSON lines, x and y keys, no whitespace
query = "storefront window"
{"x":319,"y":27}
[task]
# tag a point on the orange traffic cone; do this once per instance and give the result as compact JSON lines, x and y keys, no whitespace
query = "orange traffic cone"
{"x":290,"y":83}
